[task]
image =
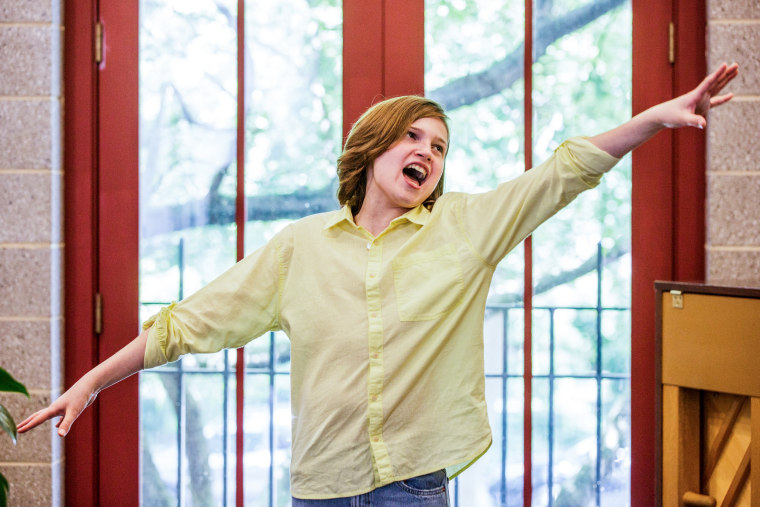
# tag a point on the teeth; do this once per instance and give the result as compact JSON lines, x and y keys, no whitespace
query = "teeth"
{"x":418,"y":172}
{"x":418,"y":168}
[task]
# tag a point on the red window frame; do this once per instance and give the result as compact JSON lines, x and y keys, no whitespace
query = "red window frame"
{"x":100,"y":139}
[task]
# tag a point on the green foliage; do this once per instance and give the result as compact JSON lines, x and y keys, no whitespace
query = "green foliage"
{"x":4,"y":487}
{"x":10,"y":385}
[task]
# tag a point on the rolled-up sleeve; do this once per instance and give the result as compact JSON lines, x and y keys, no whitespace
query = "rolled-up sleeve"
{"x":495,"y":222}
{"x":238,"y":306}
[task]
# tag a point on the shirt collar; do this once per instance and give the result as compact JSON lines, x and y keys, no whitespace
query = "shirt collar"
{"x":339,"y":216}
{"x":418,"y":215}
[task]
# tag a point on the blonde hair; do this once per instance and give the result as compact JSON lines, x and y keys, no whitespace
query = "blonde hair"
{"x":373,"y":133}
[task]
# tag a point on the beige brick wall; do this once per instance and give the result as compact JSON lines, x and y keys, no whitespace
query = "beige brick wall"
{"x":31,"y":238}
{"x":733,"y":154}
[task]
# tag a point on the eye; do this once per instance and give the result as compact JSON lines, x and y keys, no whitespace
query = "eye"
{"x":439,"y":148}
{"x":411,"y":135}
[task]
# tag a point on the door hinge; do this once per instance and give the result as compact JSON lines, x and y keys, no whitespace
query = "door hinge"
{"x":671,"y":43}
{"x":98,"y":313}
{"x":98,"y":42}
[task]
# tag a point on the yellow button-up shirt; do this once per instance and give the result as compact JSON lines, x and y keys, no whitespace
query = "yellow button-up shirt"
{"x":386,"y":332}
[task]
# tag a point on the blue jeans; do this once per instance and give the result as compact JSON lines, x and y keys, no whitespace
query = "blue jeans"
{"x":431,"y":490}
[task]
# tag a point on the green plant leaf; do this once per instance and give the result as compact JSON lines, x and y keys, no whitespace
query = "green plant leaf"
{"x":4,"y":488}
{"x":10,"y":384}
{"x":7,"y":424}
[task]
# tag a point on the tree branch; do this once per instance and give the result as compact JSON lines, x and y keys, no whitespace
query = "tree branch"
{"x":197,"y":213}
{"x":471,"y":88}
{"x":217,"y":209}
{"x":549,"y":282}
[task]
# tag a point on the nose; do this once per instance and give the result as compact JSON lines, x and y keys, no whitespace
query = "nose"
{"x":425,"y":152}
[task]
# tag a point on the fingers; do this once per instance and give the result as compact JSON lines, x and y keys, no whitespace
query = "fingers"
{"x":728,"y":73}
{"x":722,"y":99}
{"x":698,"y":121}
{"x":64,"y":425}
{"x":709,"y":83}
{"x":67,"y":414}
{"x":36,"y":419}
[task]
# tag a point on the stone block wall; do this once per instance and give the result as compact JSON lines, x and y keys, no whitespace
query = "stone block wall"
{"x":733,"y":153}
{"x":31,"y":238}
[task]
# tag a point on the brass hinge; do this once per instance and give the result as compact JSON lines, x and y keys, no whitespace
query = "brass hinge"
{"x":98,"y":42}
{"x":98,"y":313}
{"x":671,"y":43}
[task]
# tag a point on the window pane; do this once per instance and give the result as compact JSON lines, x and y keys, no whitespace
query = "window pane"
{"x":575,"y":343}
{"x":582,"y":85}
{"x":616,"y":342}
{"x":581,"y":259}
{"x":293,"y":112}
{"x":574,"y":450}
{"x":616,"y":442}
{"x":541,"y":442}
{"x":293,"y":121}
{"x":188,"y":163}
{"x":281,"y":443}
{"x":257,"y":459}
{"x":472,"y":67}
{"x":159,"y":432}
{"x":187,"y":137}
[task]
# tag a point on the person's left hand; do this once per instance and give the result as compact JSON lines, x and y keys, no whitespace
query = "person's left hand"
{"x":690,"y":109}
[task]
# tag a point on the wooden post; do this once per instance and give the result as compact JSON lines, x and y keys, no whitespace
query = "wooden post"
{"x":680,"y":443}
{"x":754,"y":474}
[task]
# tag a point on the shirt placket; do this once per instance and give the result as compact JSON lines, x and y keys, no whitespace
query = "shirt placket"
{"x":384,"y":472}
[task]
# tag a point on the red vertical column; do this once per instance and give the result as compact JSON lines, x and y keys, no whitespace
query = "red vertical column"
{"x":80,"y":182}
{"x":383,"y":53}
{"x":118,"y":247}
{"x":404,"y":47}
{"x":240,"y":220}
{"x":690,"y":25}
{"x":362,"y":58}
{"x":651,"y":236}
{"x":528,"y":277}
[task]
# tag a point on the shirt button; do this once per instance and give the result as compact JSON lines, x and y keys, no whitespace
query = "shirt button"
{"x":374,"y":355}
{"x":373,"y":397}
{"x":369,"y":245}
{"x":375,"y":439}
{"x":372,"y":275}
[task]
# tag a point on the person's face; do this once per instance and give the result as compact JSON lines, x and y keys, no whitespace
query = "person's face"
{"x":405,"y":175}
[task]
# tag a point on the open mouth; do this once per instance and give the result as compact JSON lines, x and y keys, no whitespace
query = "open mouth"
{"x":416,"y":173}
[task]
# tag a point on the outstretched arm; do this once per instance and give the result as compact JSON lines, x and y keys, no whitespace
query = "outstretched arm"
{"x":70,"y":404}
{"x":687,"y":110}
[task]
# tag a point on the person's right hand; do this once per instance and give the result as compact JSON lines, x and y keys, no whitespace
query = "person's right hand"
{"x":68,"y":406}
{"x":127,"y":361}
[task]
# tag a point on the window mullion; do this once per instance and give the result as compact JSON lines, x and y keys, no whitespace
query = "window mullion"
{"x":528,"y":253}
{"x":240,"y":219}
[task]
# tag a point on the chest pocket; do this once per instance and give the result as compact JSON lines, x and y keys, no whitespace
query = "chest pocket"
{"x":428,"y":284}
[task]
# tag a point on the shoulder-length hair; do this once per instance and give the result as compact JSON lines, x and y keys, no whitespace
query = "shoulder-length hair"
{"x":374,"y":132}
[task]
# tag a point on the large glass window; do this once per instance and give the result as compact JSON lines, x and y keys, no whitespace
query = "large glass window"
{"x":579,"y":341}
{"x":189,"y":92}
{"x":580,"y":262}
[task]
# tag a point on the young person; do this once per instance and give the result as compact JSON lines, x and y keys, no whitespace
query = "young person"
{"x":383,"y":302}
